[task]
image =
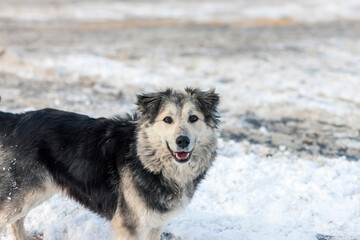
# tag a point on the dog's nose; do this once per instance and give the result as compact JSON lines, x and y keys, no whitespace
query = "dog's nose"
{"x":182,"y":141}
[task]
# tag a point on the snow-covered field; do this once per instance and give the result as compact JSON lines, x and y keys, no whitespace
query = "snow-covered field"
{"x":288,"y":75}
{"x":246,"y":195}
{"x":199,"y":11}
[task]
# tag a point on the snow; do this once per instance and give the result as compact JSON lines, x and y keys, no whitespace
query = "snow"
{"x":280,"y":197}
{"x":246,"y":195}
{"x":253,"y":191}
{"x":199,"y":11}
{"x":262,"y":81}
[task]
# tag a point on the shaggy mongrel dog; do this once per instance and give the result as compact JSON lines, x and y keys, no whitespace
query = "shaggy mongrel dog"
{"x":136,"y":171}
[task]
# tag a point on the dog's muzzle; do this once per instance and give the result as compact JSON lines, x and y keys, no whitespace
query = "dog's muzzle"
{"x":181,"y":157}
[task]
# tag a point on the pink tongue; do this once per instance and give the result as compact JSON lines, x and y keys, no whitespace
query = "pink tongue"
{"x":182,"y":155}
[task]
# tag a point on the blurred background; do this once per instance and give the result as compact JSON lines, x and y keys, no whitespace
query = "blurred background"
{"x":288,"y":73}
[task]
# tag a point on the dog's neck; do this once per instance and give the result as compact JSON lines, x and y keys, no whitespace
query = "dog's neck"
{"x":177,"y":182}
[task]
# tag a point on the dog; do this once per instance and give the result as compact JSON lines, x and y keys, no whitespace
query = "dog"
{"x":137,"y":171}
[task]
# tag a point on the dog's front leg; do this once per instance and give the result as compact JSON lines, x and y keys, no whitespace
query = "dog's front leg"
{"x":123,"y":230}
{"x":19,"y":229}
{"x":20,"y":233}
{"x":154,"y":234}
{"x":122,"y":233}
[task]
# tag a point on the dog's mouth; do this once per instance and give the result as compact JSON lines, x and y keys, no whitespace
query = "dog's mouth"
{"x":181,"y":157}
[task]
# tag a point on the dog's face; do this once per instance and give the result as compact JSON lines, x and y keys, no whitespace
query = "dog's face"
{"x":178,"y":128}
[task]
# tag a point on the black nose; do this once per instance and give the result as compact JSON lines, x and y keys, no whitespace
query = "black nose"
{"x":182,"y":141}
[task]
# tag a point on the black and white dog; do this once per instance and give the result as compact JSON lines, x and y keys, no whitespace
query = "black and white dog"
{"x":136,"y":171}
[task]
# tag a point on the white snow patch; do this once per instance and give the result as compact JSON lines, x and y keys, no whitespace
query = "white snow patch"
{"x":252,"y":197}
{"x":244,"y":196}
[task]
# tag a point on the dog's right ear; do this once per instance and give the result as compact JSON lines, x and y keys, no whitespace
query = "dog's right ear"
{"x":149,"y":104}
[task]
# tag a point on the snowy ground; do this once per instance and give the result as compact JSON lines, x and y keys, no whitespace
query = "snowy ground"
{"x":288,"y":75}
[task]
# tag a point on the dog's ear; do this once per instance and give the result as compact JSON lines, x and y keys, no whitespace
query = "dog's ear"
{"x":208,"y":102}
{"x":149,"y":104}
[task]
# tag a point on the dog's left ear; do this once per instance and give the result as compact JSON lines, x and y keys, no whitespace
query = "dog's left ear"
{"x":149,"y":104}
{"x":208,"y":103}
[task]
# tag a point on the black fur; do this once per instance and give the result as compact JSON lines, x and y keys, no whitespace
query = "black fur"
{"x":158,"y":193}
{"x":85,"y":156}
{"x":82,"y":154}
{"x":154,"y":189}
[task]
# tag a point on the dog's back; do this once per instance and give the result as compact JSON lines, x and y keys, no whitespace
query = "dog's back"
{"x":71,"y":148}
{"x":48,"y":150}
{"x":7,"y":123}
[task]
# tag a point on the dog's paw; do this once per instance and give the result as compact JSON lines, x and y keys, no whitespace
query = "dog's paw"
{"x":36,"y":236}
{"x":169,"y":236}
{"x":324,"y":237}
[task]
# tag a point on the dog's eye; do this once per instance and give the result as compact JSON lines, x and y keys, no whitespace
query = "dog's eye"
{"x":193,"y":118}
{"x":168,"y":120}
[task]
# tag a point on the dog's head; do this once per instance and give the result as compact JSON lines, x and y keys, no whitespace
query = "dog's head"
{"x":177,"y":128}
